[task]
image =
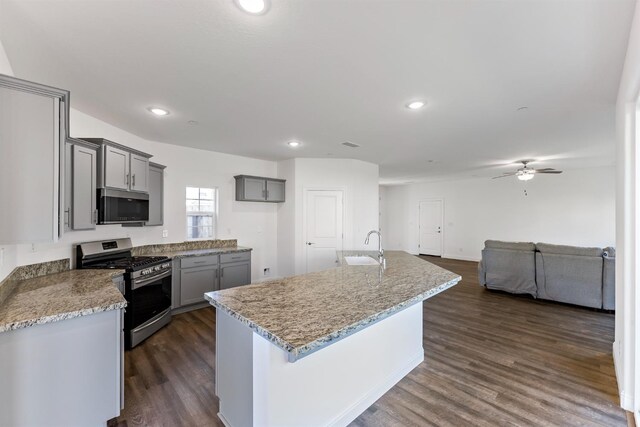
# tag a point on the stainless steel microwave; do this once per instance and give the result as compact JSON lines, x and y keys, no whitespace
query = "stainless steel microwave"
{"x":121,"y":207}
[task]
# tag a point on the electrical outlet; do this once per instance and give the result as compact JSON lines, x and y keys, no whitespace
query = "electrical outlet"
{"x":165,"y":233}
{"x":267,"y":271}
{"x":33,"y":247}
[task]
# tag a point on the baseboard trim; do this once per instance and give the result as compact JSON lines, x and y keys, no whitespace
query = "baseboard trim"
{"x":625,"y":401}
{"x":370,"y":398}
{"x":224,"y":420}
{"x":461,"y":257}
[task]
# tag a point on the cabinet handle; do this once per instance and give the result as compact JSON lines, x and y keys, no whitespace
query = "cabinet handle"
{"x":133,"y":183}
{"x":267,"y":195}
{"x":95,"y":216}
{"x":222,"y":272}
{"x":67,"y":213}
{"x":126,"y":182}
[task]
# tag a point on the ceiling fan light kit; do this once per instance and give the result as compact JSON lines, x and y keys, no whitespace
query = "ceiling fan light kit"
{"x":526,"y":173}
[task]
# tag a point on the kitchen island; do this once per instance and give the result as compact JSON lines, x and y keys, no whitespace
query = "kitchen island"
{"x":319,"y":348}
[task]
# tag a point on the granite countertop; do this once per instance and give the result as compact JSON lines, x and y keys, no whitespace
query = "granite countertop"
{"x":203,"y":252}
{"x":302,"y":314}
{"x":59,"y":296}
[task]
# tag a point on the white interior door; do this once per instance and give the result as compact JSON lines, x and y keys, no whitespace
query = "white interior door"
{"x":323,"y":237}
{"x":431,"y":228}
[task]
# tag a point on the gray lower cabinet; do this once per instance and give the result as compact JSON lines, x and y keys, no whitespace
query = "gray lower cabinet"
{"x":156,"y":194}
{"x":195,"y":276}
{"x":235,"y":274}
{"x":195,"y":282}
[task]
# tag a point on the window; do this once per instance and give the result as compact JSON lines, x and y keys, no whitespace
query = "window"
{"x":202,"y":212}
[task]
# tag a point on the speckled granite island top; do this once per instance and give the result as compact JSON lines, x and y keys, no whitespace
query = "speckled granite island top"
{"x":302,"y":314}
{"x":59,"y":296}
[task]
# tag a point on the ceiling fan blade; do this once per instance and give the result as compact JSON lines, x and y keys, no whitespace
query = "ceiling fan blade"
{"x":548,"y":171}
{"x":545,"y":169}
{"x":506,"y":174}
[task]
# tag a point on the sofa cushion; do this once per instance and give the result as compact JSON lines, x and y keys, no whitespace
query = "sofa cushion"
{"x":573,"y":279}
{"x":547,"y":248}
{"x":509,"y":270}
{"x":514,"y":246}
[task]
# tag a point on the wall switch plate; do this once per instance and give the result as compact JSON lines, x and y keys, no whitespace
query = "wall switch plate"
{"x":165,"y":233}
{"x":267,"y":271}
{"x":33,"y":247}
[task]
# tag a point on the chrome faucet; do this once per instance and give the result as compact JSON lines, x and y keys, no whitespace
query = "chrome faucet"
{"x":381,"y":259}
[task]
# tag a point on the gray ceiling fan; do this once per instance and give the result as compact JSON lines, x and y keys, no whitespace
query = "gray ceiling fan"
{"x":526,"y":173}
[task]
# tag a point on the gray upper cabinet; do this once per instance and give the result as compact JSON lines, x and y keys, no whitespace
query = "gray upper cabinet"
{"x":259,"y":189}
{"x":120,"y":167}
{"x":80,"y":195}
{"x":275,"y":190}
{"x":33,"y":131}
{"x":116,"y":168}
{"x":156,"y":194}
{"x":139,"y":173}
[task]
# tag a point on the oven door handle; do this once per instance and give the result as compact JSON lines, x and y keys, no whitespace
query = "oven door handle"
{"x":138,"y":283}
{"x":158,"y":318}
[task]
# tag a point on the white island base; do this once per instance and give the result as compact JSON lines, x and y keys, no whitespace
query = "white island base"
{"x":258,"y":386}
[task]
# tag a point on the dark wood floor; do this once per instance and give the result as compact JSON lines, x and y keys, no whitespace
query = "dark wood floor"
{"x":491,"y":359}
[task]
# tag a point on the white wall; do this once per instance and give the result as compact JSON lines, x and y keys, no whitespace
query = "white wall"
{"x":574,"y":208}
{"x":358,"y":180}
{"x":626,"y":348}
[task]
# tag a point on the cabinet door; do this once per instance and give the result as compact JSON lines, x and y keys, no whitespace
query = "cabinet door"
{"x":139,"y":173}
{"x":275,"y":191}
{"x":194,"y":282}
{"x":29,"y":150}
{"x":68,"y":185}
{"x":83,"y":201}
{"x":156,"y":196}
{"x":254,"y":189}
{"x":237,"y":274}
{"x":116,"y":168}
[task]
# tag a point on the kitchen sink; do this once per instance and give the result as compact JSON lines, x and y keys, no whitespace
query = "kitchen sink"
{"x":360,"y":260}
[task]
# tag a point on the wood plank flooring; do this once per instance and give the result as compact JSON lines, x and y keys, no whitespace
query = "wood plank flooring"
{"x":491,"y":359}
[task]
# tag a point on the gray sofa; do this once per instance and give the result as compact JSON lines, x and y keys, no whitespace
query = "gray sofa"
{"x":569,"y":274}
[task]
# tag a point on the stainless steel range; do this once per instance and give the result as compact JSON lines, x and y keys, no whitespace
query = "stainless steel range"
{"x":147,"y":285}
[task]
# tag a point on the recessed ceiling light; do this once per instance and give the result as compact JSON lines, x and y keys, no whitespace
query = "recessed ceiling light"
{"x":158,"y":111}
{"x":415,"y":105}
{"x":255,"y":7}
{"x":293,"y":144}
{"x":192,"y":122}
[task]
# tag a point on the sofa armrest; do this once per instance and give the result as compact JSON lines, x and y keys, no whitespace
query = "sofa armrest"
{"x":482,"y":274}
{"x":609,"y":283}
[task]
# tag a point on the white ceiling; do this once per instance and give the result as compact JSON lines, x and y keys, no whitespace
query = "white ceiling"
{"x":328,"y":71}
